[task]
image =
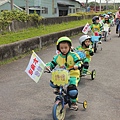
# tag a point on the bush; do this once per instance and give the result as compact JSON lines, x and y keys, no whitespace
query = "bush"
{"x":6,"y":18}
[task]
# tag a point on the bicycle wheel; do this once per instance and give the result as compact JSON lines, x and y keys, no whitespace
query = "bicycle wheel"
{"x":105,"y":35}
{"x":95,"y":47}
{"x":57,"y":112}
{"x":85,"y":104}
{"x":93,"y":74}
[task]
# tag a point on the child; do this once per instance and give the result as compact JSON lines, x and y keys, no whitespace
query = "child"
{"x":108,"y":21}
{"x":67,"y":59}
{"x":95,"y":26}
{"x":85,"y":46}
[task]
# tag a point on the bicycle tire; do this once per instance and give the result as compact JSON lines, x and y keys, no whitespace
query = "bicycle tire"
{"x":93,"y":74}
{"x":56,"y":112}
{"x":95,"y":47}
{"x":105,"y":36}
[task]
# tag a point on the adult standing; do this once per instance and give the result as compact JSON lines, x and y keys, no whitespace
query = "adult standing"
{"x":117,"y":17}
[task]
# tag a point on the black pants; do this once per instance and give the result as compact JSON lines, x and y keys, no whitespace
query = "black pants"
{"x":117,"y":28}
{"x":118,"y":22}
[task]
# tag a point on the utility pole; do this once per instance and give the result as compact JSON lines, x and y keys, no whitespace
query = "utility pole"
{"x":12,"y":7}
{"x":27,"y":7}
{"x":95,"y":5}
{"x":114,"y":4}
{"x":53,"y":7}
{"x":86,"y":4}
{"x":100,"y":5}
{"x":107,"y":4}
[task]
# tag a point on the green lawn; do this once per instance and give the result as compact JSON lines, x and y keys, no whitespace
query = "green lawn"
{"x":41,"y":30}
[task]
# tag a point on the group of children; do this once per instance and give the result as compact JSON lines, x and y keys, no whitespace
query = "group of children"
{"x":68,"y":59}
{"x":99,"y":21}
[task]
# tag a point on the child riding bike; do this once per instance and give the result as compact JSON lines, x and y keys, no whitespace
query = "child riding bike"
{"x":107,"y":21}
{"x":96,"y":27}
{"x":67,"y":60}
{"x":85,"y":46}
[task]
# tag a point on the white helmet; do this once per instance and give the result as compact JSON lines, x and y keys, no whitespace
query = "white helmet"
{"x":83,"y":38}
{"x":107,"y":16}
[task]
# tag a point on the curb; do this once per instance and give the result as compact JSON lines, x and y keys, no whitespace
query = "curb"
{"x":18,"y":48}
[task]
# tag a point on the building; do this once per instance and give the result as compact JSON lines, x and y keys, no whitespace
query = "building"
{"x":6,"y":5}
{"x":50,"y":8}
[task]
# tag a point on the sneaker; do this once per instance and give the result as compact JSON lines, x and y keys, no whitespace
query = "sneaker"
{"x":116,"y":32}
{"x":84,"y":74}
{"x":100,"y":42}
{"x":74,"y":106}
{"x":56,"y":91}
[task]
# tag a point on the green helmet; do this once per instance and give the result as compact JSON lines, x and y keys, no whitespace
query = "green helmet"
{"x":63,"y":39}
{"x":104,"y":14}
{"x":109,"y":13}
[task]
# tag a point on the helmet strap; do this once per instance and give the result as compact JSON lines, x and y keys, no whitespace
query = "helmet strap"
{"x":85,"y":45}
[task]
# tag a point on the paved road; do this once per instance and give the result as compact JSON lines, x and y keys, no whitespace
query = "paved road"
{"x":22,"y":99}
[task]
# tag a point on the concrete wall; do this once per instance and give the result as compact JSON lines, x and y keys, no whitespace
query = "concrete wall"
{"x":16,"y":25}
{"x":21,"y":47}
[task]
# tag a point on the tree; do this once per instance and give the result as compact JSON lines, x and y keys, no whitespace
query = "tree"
{"x":93,"y":4}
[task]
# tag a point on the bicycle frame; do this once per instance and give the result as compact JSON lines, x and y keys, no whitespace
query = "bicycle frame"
{"x":60,"y":97}
{"x":95,"y":41}
{"x":106,"y":28}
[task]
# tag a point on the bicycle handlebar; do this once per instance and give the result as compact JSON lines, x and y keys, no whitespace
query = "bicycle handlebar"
{"x":49,"y":71}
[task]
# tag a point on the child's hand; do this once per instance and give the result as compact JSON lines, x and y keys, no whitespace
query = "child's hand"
{"x":47,"y":68}
{"x":88,"y":49}
{"x":75,"y":67}
{"x":62,"y":67}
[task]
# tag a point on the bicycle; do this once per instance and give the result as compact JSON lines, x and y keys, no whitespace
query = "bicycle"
{"x":106,"y":31}
{"x":60,"y":78}
{"x":83,"y":57}
{"x":96,"y":44}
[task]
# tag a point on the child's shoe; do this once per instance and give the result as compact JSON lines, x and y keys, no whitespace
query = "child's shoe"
{"x":56,"y":91}
{"x":100,"y":42}
{"x":74,"y":106}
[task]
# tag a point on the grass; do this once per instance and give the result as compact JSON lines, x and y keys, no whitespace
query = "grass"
{"x":11,"y":37}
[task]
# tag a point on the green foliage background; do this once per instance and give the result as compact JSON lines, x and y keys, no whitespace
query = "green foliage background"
{"x":6,"y":17}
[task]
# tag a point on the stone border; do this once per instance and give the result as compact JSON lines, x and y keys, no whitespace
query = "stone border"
{"x":24,"y":46}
